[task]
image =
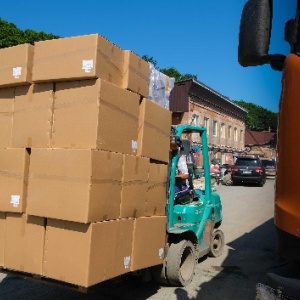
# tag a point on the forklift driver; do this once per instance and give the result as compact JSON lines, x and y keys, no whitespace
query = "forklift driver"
{"x":182,"y":188}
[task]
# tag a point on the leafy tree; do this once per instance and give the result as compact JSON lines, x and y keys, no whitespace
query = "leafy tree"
{"x":150,"y":59}
{"x":32,"y":36}
{"x":171,"y":72}
{"x":10,"y":35}
{"x":188,"y":76}
{"x":259,"y":118}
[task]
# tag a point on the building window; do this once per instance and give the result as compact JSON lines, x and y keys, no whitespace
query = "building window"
{"x":235,"y":134}
{"x":241,"y":135}
{"x":195,"y":120}
{"x":215,"y":128}
{"x":206,"y":124}
{"x":229,"y":132}
{"x":222,"y":130}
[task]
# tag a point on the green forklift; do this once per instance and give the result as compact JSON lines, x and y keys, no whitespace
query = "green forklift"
{"x":193,"y":221}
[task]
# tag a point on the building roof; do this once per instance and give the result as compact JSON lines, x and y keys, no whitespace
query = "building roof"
{"x":218,"y":94}
{"x":179,"y":97}
{"x":259,"y":138}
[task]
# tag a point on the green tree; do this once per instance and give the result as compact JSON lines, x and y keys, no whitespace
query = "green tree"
{"x":32,"y":36}
{"x":188,"y":76}
{"x":173,"y":72}
{"x":10,"y":35}
{"x":150,"y":59}
{"x":259,"y":118}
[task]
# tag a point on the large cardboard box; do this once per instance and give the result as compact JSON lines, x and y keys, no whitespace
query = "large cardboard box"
{"x":95,"y":114}
{"x":88,"y":56}
{"x":149,"y":241}
{"x":86,"y":254}
{"x":134,"y":186}
{"x":136,"y":74}
{"x":14,"y":167}
{"x":33,"y":113}
{"x":75,"y":185}
{"x":154,"y":131}
{"x":7,"y":96}
{"x":24,"y":243}
{"x":157,"y":190}
{"x":16,"y":65}
{"x":2,"y":238}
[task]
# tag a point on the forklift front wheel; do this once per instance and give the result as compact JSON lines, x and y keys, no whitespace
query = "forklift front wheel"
{"x":181,"y":263}
{"x":216,"y":243}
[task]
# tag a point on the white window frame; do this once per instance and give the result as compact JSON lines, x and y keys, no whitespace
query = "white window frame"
{"x":206,"y":124}
{"x":196,"y":120}
{"x":229,"y":132}
{"x":222,"y":130}
{"x":235,"y":134}
{"x":215,"y":128}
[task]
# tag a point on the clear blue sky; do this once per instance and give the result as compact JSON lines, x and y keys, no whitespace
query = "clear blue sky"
{"x":195,"y":37}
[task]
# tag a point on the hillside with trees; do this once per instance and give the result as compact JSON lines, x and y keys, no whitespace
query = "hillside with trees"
{"x":10,"y":35}
{"x":258,"y":118}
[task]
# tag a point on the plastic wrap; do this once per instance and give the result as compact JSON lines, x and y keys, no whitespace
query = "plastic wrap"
{"x":160,"y":87}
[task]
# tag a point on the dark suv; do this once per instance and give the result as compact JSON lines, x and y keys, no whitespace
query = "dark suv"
{"x":248,"y":169}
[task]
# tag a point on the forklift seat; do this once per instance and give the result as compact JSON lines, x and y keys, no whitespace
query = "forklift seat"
{"x":185,"y":199}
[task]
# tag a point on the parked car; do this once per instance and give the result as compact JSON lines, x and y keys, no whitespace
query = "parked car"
{"x":248,"y":169}
{"x":270,"y":167}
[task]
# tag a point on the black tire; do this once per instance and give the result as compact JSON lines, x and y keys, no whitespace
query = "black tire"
{"x":261,"y":184}
{"x":181,"y":263}
{"x":217,"y":243}
{"x":234,"y":182}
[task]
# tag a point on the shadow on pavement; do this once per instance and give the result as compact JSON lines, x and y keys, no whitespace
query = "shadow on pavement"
{"x":248,"y":260}
{"x":125,"y":288}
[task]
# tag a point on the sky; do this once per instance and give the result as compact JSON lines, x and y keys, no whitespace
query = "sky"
{"x":196,"y":37}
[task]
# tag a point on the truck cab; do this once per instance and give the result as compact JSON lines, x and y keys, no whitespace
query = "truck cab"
{"x":254,"y":41}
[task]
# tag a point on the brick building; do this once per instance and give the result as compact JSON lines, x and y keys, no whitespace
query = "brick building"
{"x":192,"y":102}
{"x":262,"y":143}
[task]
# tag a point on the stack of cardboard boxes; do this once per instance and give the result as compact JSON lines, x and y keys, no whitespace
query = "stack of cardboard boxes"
{"x":83,"y":161}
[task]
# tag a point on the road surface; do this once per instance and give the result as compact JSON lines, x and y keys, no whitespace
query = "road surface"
{"x":249,"y":253}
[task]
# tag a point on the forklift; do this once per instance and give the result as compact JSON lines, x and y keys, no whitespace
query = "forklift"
{"x":193,"y":222}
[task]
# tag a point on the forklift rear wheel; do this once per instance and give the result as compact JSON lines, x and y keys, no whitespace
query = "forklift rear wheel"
{"x":181,"y":263}
{"x":216,"y":243}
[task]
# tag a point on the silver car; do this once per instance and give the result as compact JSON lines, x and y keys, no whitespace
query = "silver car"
{"x":270,"y":167}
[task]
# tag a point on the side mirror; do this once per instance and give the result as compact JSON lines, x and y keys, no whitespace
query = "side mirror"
{"x":255,"y":33}
{"x":255,"y":36}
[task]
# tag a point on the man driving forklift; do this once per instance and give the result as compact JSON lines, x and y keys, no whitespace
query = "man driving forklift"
{"x":184,"y":177}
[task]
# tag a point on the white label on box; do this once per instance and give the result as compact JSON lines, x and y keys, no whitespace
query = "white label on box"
{"x":126,"y":262}
{"x":87,"y":65}
{"x":15,"y":200}
{"x":134,"y":145}
{"x":17,"y":72}
{"x":161,"y":253}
